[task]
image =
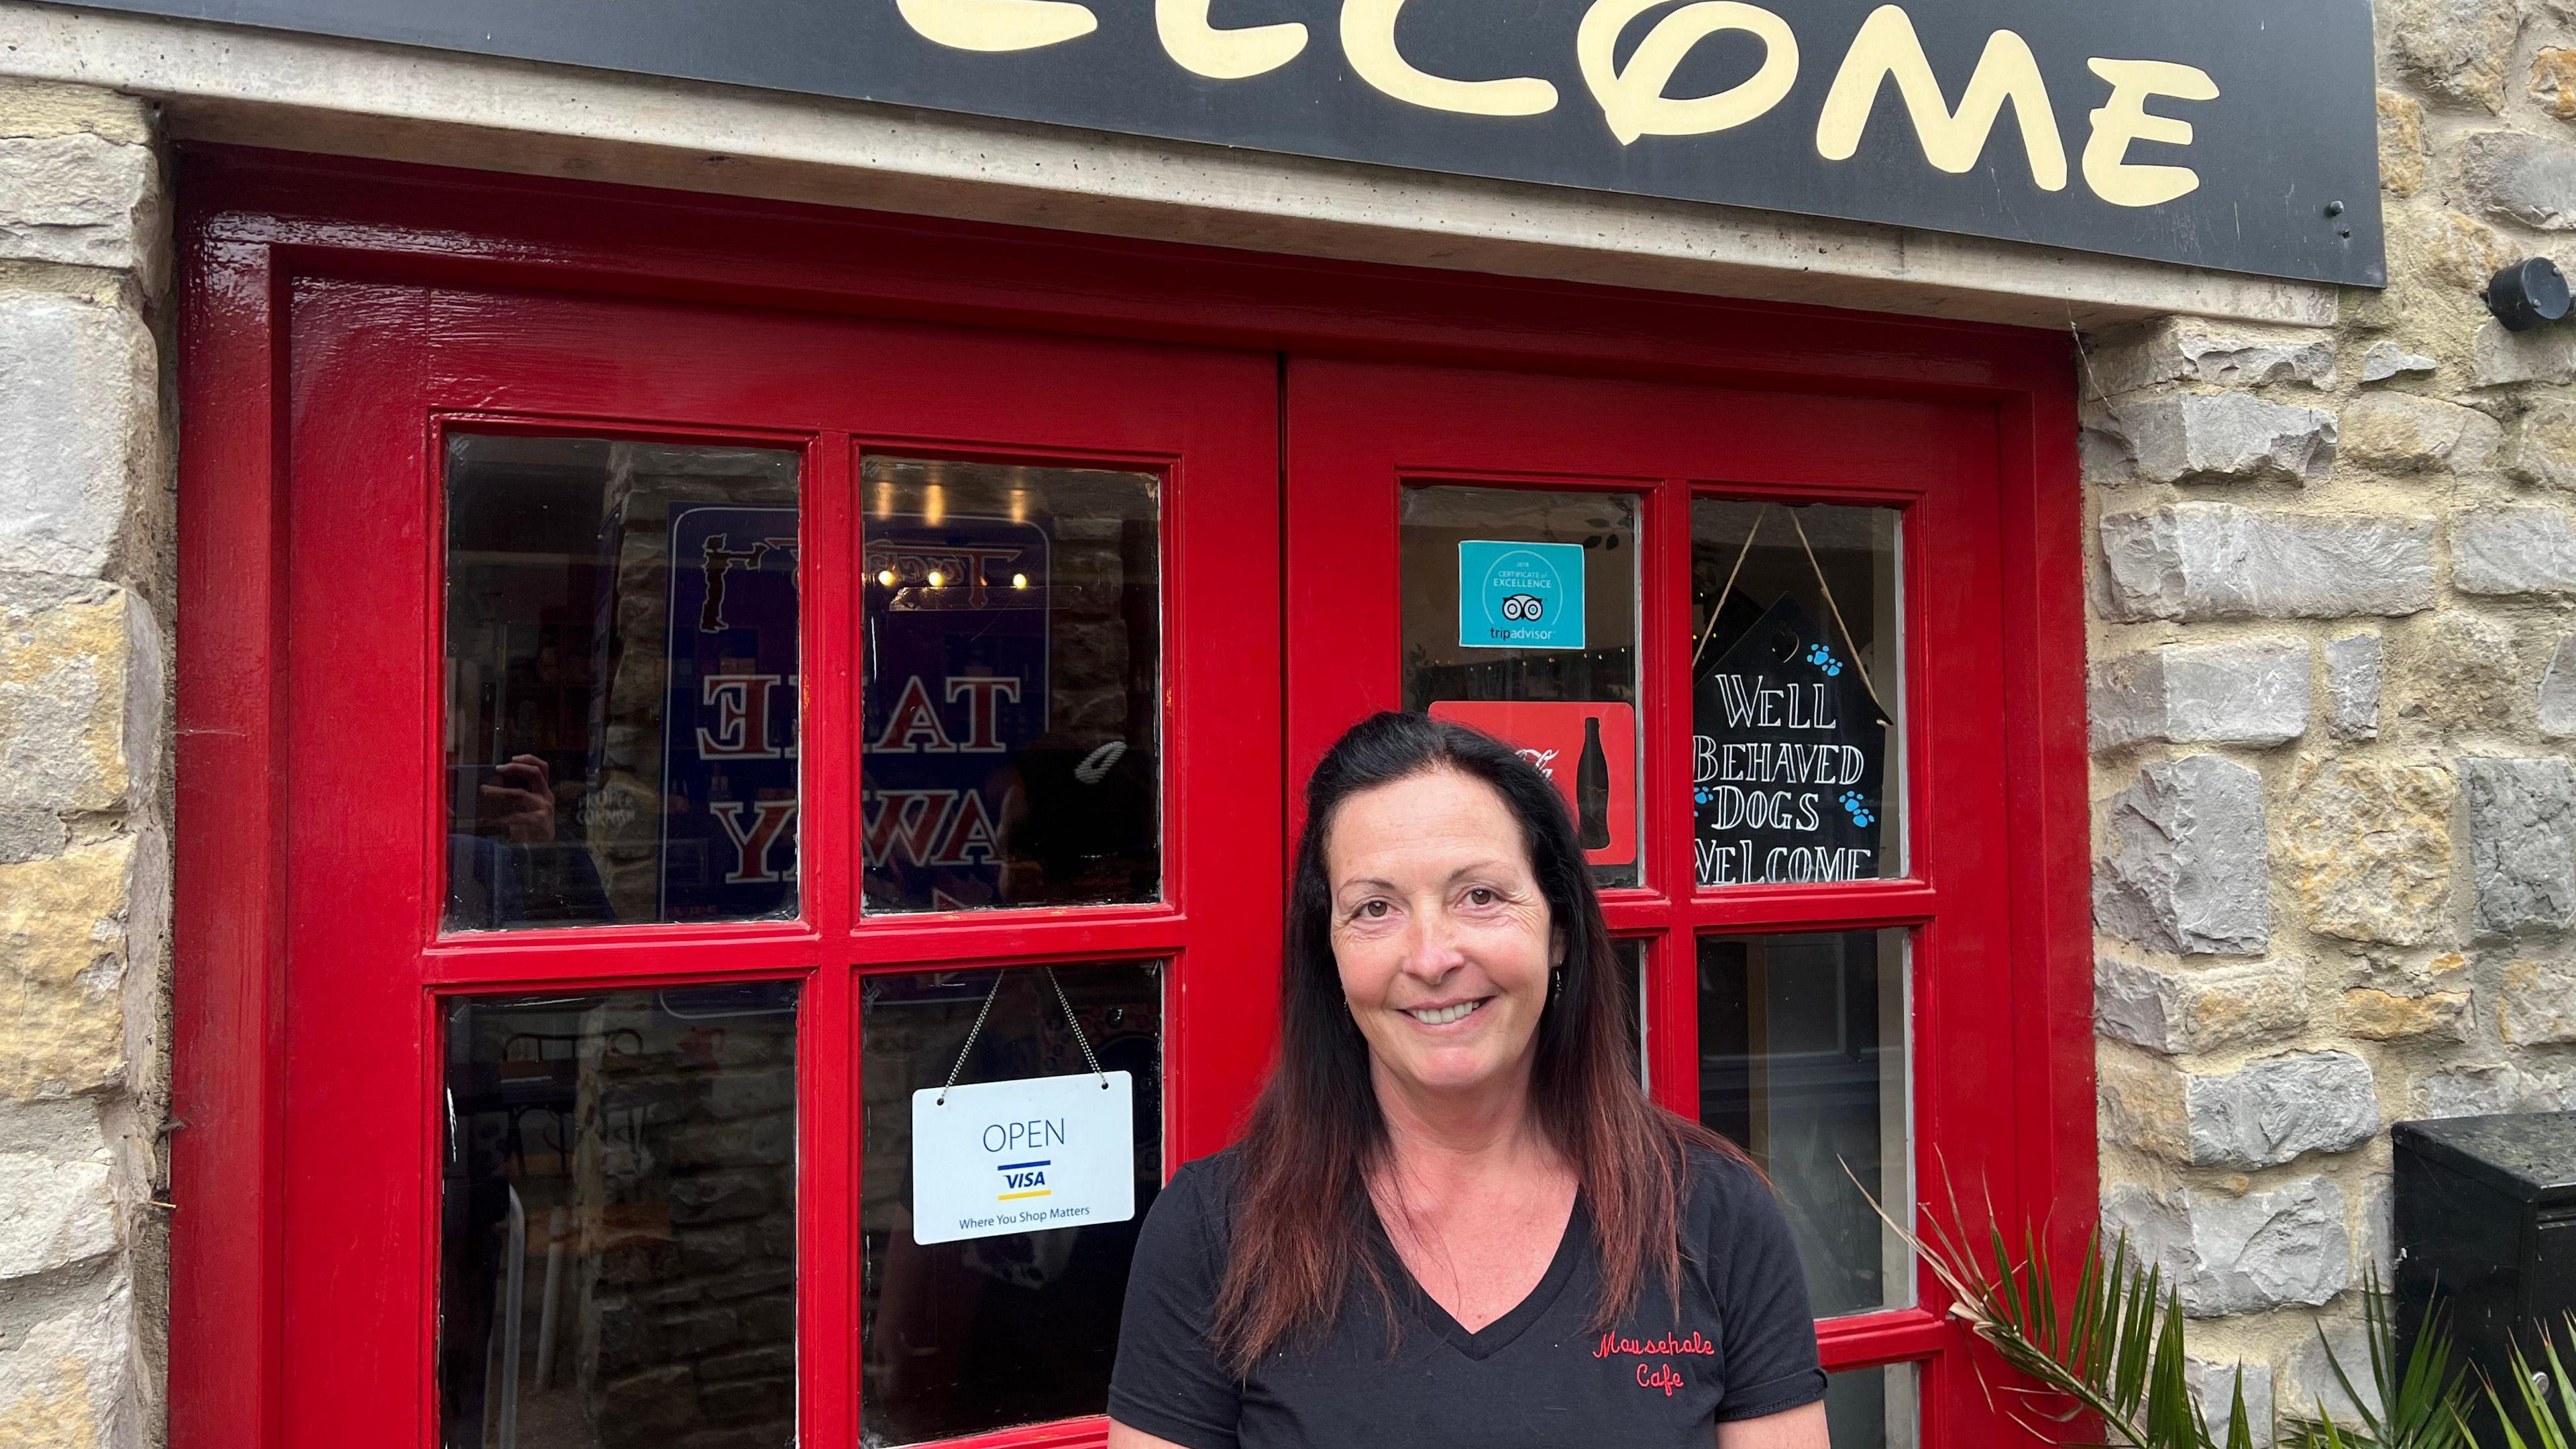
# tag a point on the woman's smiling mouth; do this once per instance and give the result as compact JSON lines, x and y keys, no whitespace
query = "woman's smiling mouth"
{"x":1443,"y":1015}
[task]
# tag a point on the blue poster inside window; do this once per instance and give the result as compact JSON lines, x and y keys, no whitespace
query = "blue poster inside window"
{"x":1514,"y":595}
{"x":1788,"y":758}
{"x":729,"y":723}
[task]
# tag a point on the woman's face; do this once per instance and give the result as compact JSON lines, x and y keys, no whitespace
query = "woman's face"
{"x":1444,"y":942}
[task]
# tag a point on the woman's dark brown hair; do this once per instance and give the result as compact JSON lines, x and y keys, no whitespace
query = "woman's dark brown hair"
{"x":1301,"y":1198}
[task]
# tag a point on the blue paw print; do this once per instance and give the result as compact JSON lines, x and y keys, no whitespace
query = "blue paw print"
{"x":1702,"y":796}
{"x":1823,"y":658}
{"x":1858,"y":809}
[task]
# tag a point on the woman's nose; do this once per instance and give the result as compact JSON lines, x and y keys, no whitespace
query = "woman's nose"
{"x":1433,"y":950}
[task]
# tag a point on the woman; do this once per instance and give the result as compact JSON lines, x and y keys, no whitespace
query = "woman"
{"x":1454,"y":1220}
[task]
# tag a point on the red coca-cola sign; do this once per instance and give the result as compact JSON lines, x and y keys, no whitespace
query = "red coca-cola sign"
{"x":1588,"y":748}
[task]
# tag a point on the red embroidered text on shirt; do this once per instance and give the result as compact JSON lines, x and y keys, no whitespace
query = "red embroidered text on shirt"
{"x":1612,"y":1345}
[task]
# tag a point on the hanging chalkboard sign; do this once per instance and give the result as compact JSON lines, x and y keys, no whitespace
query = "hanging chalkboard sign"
{"x":1788,"y":754}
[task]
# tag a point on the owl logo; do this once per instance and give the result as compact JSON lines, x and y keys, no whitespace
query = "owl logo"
{"x":1526,"y":608}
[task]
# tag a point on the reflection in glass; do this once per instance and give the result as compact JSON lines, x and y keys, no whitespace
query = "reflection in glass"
{"x":617,"y":1265}
{"x":621,"y":682}
{"x":1797,"y":690}
{"x":1013,"y":654}
{"x":1632,"y":966}
{"x":963,"y":1337}
{"x":1802,"y":1043}
{"x":1871,"y":1408}
{"x":1520,"y":619}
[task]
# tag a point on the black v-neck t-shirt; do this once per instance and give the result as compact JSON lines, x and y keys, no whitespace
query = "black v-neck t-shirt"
{"x":1740,"y":1344}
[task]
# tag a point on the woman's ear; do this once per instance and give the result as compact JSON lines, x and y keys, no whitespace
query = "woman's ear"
{"x":1556,"y":948}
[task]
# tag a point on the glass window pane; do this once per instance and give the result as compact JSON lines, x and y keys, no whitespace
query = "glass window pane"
{"x":617,"y":1264}
{"x":1802,"y":1042}
{"x":963,"y":1337}
{"x":1631,"y":956}
{"x":621,"y":682}
{"x":1796,"y":693}
{"x":1520,"y":619}
{"x":1873,"y":1408}
{"x":1013,"y":677}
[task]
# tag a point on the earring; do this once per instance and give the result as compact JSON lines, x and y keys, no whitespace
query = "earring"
{"x":1555,"y":983}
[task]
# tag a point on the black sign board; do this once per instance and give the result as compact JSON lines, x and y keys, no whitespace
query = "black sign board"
{"x":2234,"y":134}
{"x":1788,"y":757}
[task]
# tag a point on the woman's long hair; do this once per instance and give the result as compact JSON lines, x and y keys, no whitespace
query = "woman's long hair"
{"x":1316,"y":1136}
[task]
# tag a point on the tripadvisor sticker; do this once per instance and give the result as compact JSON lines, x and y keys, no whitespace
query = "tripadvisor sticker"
{"x":1520,"y":595}
{"x":1024,"y":1156}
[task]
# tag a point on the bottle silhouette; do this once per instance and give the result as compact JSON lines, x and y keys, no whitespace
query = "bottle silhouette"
{"x":1592,"y":788}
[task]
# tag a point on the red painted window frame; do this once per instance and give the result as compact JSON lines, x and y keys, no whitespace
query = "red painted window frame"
{"x":1360,"y":432}
{"x":254,"y":221}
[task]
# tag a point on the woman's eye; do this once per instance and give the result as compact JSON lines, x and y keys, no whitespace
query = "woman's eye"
{"x":1374,"y":910}
{"x":1480,"y":896}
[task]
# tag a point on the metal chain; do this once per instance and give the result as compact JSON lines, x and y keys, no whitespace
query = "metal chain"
{"x":971,"y":1033}
{"x":987,"y":1010}
{"x":1079,"y":1039}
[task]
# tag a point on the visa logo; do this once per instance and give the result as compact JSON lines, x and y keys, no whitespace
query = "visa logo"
{"x":1023,"y":1179}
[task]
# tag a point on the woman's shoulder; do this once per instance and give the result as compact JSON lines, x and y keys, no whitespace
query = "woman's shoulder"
{"x":1722,"y":1183}
{"x":1199,"y":1200}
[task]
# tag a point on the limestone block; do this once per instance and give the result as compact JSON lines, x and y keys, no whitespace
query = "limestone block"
{"x":2539,"y":1002}
{"x":59,"y":1213}
{"x":2398,"y":432}
{"x":2543,"y":1089}
{"x":2174,"y":1008}
{"x":78,"y":410}
{"x":30,"y":835}
{"x":2143,"y":1105}
{"x":73,"y":654}
{"x":2527,"y":549}
{"x":2375,"y":1015}
{"x":2385,"y":360}
{"x":2240,"y":1254}
{"x":30,"y":108}
{"x":62,"y":971}
{"x":2516,"y":177}
{"x":2186,"y":869}
{"x":2215,"y":1386}
{"x":2499,"y":358}
{"x":2378,"y":1245}
{"x":2459,"y":252}
{"x":2368,"y":847}
{"x":2522,"y":842}
{"x":2227,"y":437}
{"x":2281,"y":1107}
{"x":2542,"y":448}
{"x":65,"y":1370}
{"x":2465,"y":676}
{"x":2198,"y":561}
{"x":2460,"y":49}
{"x":2199,"y":349}
{"x":2252,"y":692}
{"x":2558,"y":691}
{"x":2309,"y":1386}
{"x":2401,"y":144}
{"x":2352,"y":686}
{"x":2468,"y":1091}
{"x":2553,"y":81}
{"x":79,"y":199}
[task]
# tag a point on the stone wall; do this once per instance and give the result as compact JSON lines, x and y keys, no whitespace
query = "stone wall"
{"x":2333,"y":582}
{"x":85,"y":574}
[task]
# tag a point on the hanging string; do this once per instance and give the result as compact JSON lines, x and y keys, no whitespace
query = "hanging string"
{"x":1836,"y":610}
{"x":1719,"y":606}
{"x":987,"y":1010}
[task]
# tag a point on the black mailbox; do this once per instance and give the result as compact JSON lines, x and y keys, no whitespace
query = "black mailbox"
{"x":2486,"y":1222}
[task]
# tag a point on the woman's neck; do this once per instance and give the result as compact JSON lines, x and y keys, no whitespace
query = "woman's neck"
{"x":1441,"y":1142}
